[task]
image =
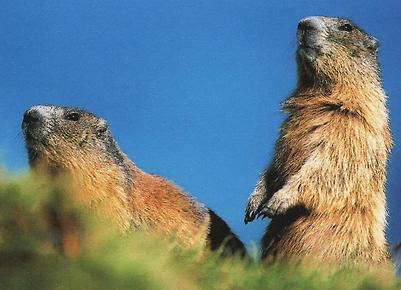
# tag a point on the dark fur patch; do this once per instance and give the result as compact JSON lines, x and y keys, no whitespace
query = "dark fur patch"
{"x":115,"y":153}
{"x":220,"y":237}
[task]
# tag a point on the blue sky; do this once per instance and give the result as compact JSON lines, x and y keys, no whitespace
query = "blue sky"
{"x":191,"y":89}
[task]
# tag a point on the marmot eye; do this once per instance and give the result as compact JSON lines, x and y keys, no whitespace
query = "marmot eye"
{"x":100,"y":131}
{"x":73,"y":116}
{"x":346,"y":27}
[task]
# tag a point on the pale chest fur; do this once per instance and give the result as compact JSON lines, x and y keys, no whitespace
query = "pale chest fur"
{"x":346,"y":155}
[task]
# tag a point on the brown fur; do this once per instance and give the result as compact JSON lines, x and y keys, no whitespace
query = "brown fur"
{"x":150,"y":203}
{"x":325,"y":186}
{"x":78,"y":151}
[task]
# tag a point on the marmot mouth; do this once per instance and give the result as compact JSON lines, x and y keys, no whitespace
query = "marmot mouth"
{"x":34,"y":146}
{"x":305,"y":45}
{"x":307,"y":42}
{"x":29,"y":137}
{"x":309,"y":51}
{"x":33,"y":137}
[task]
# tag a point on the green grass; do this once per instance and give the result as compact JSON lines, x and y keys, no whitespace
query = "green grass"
{"x":32,"y":255}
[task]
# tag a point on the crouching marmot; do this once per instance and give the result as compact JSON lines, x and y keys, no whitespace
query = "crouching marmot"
{"x":77,"y":145}
{"x":324,"y":189}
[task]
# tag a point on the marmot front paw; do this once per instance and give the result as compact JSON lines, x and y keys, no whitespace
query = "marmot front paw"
{"x":278,"y":204}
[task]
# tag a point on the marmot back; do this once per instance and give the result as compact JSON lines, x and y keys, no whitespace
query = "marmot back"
{"x":324,"y":188}
{"x":76,"y":145}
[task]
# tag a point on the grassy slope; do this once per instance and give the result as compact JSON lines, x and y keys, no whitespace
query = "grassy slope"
{"x":32,"y":255}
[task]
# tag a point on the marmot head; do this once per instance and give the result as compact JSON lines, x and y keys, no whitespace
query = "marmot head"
{"x":334,"y":50}
{"x":61,"y":138}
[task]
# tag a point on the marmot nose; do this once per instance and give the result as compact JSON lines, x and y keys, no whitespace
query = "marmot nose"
{"x":306,"y":25}
{"x":31,"y":117}
{"x":311,"y":23}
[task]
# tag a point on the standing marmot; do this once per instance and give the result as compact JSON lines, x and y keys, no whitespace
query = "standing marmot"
{"x":324,"y":188}
{"x":78,"y":146}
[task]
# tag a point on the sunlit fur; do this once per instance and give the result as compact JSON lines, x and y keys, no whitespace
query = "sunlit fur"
{"x":84,"y":159}
{"x":330,"y":159}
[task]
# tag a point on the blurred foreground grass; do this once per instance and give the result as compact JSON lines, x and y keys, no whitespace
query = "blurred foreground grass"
{"x":45,"y":243}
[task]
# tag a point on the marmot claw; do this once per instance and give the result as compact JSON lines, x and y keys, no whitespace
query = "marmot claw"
{"x":255,"y":204}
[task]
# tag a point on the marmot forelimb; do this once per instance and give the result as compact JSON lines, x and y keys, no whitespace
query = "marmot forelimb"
{"x":324,"y":189}
{"x":78,"y":146}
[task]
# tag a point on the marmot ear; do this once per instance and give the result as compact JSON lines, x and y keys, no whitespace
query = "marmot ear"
{"x":373,"y":44}
{"x":101,"y":127}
